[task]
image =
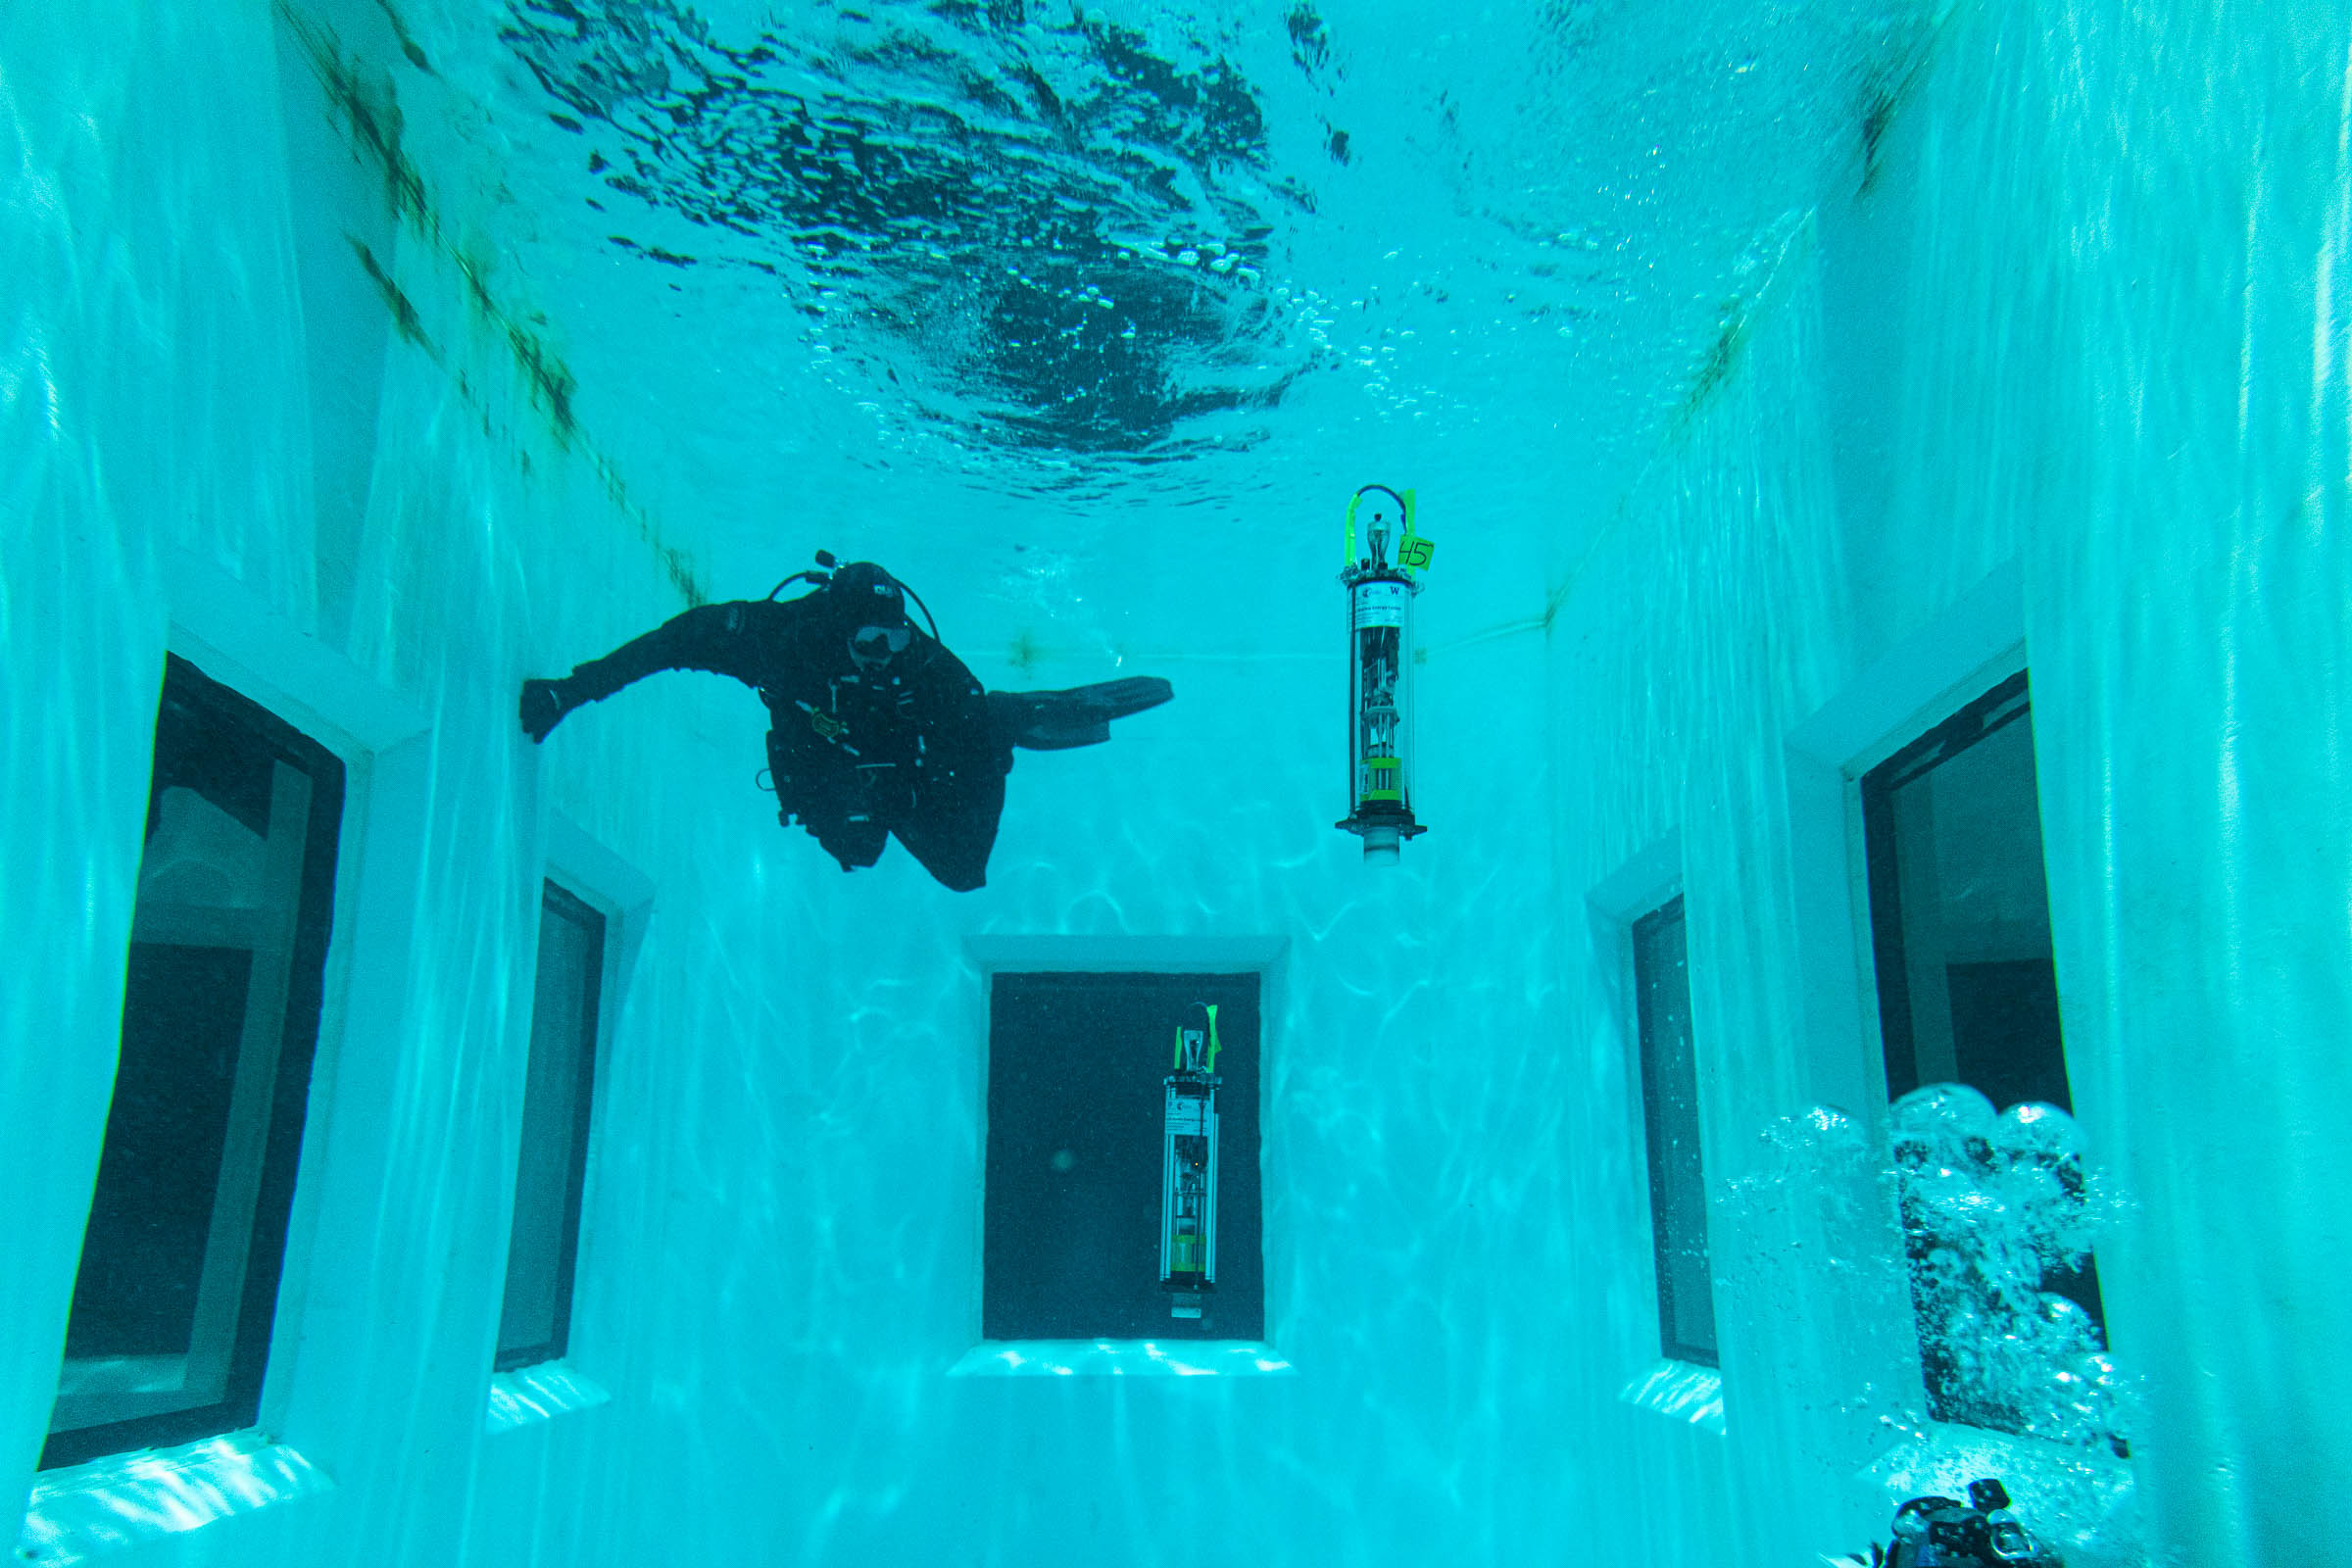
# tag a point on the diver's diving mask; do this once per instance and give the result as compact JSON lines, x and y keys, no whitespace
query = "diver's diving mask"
{"x":874,"y":644}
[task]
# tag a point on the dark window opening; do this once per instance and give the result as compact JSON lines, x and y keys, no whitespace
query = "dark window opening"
{"x":552,"y":1171}
{"x":1077,"y":1109}
{"x":1968,"y":994}
{"x":169,"y":1334}
{"x":1678,"y":1192}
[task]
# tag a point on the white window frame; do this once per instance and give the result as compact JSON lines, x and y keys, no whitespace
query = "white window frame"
{"x":1968,"y":650}
{"x":236,"y":638}
{"x":110,"y":1390}
{"x":1680,"y":1391}
{"x":577,"y":862}
{"x":1266,"y":956}
{"x":1961,"y":654}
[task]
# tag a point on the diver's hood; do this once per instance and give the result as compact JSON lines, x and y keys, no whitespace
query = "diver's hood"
{"x":863,"y":594}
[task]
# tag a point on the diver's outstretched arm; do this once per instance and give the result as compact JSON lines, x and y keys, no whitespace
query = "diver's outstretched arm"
{"x":722,"y":639}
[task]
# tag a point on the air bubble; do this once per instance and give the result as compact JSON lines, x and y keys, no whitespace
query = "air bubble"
{"x":2032,"y":1130}
{"x":1995,"y":1213}
{"x":1943,"y":1111}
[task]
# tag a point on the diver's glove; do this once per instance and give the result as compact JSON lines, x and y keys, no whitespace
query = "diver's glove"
{"x":544,"y":704}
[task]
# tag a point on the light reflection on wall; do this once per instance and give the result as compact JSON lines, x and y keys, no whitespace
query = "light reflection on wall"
{"x":108,"y":1504}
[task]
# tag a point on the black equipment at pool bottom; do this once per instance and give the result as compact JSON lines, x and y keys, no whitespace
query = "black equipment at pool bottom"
{"x":1937,"y":1532}
{"x":1188,"y":1195}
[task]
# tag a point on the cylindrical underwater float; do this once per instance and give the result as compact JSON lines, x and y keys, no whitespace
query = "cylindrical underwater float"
{"x":1380,"y":675}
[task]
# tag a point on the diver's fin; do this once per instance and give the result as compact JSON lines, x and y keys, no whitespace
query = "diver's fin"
{"x":1056,"y":721}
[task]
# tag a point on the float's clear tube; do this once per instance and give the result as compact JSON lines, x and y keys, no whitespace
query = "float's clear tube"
{"x":1187,"y":1191}
{"x":1379,"y":710}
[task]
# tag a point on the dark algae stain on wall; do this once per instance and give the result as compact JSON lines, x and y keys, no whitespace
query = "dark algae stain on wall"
{"x":364,"y":102}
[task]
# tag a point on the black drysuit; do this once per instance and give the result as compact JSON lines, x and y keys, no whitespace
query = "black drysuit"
{"x":910,"y":746}
{"x":905,"y":747}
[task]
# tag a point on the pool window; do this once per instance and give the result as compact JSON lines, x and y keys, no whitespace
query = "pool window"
{"x":1960,"y":920}
{"x":1678,"y":1192}
{"x":174,"y":1299}
{"x":559,"y":1096}
{"x":1967,"y":995}
{"x":1077,"y":1162}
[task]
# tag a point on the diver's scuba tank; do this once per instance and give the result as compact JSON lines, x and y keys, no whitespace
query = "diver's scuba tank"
{"x":1381,"y":586}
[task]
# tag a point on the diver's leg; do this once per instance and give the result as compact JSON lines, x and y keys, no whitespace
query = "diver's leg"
{"x":1053,"y":721}
{"x":814,"y":790}
{"x":953,"y":832}
{"x":855,"y":844}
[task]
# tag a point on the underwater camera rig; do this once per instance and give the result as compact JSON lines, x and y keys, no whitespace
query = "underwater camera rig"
{"x":1935,"y":1532}
{"x":1187,"y":1188}
{"x":1380,"y":674}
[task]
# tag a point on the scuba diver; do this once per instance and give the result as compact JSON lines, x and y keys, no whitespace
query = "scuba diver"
{"x":876,"y":729}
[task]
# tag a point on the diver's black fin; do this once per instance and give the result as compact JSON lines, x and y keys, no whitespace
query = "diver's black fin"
{"x":1056,"y":721}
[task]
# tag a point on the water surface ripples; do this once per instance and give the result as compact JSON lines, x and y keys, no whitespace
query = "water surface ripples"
{"x":1059,"y":249}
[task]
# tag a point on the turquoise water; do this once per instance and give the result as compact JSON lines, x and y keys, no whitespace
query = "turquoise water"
{"x":1767,"y":375}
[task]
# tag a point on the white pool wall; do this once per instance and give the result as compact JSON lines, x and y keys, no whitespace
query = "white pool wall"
{"x":2073,"y":365}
